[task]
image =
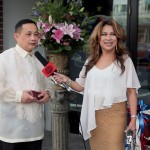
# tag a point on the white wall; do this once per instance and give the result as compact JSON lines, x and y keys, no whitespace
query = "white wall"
{"x":15,"y":10}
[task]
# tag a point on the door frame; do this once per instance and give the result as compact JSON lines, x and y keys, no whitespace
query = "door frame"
{"x":132,"y":29}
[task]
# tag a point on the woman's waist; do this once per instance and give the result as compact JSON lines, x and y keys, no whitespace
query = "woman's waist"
{"x":107,"y":102}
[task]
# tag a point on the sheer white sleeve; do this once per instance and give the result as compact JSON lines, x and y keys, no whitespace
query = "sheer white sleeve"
{"x":81,"y":79}
{"x":132,"y":80}
{"x":7,"y":94}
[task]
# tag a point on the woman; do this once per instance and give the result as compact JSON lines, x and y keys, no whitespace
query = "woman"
{"x":108,"y":80}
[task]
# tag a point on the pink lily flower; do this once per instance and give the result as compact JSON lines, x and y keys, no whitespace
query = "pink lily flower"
{"x":58,"y":35}
{"x":68,"y":29}
{"x":46,"y":27}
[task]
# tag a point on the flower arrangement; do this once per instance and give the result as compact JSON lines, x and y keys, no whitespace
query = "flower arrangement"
{"x":61,"y":25}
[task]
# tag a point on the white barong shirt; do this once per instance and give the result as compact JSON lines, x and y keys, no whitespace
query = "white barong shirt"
{"x":19,"y":71}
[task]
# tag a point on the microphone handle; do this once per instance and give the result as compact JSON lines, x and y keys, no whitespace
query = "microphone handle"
{"x":66,"y":86}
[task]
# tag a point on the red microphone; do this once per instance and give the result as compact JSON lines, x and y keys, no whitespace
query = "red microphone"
{"x":49,"y":68}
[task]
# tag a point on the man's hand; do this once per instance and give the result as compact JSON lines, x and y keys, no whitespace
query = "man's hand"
{"x":45,"y":97}
{"x":27,"y":97}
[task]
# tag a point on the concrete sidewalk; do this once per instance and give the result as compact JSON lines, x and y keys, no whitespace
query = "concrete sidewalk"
{"x":75,"y":142}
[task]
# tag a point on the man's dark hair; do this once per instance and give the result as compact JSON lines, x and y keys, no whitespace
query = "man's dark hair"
{"x":18,"y":26}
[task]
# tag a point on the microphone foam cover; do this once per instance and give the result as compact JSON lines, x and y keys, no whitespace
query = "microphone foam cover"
{"x":49,"y":69}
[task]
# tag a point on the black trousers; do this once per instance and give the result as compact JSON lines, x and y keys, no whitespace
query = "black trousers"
{"x":35,"y":145}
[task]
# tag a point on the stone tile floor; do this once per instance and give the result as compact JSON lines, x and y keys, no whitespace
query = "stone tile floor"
{"x":75,"y":142}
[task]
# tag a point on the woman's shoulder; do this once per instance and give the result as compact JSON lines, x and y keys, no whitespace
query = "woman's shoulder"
{"x":127,"y":60}
{"x":87,"y":61}
{"x":126,"y":56}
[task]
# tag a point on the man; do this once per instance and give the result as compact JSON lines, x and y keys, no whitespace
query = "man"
{"x":21,"y":112}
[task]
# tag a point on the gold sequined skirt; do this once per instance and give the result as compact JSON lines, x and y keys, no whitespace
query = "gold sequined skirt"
{"x":111,"y":124}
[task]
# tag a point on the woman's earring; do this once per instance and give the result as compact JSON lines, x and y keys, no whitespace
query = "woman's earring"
{"x":116,"y":49}
{"x":98,"y":49}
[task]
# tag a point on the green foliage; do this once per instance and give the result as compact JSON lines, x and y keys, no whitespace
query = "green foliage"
{"x":54,"y":12}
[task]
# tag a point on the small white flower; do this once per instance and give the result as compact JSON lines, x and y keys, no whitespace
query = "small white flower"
{"x":50,"y":19}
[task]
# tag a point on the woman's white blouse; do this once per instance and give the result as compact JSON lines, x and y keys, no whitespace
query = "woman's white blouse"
{"x":102,"y":88}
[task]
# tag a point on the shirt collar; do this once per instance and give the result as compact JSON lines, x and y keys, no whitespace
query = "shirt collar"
{"x":23,"y":53}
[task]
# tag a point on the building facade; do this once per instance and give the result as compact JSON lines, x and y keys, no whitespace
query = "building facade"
{"x":133,"y":15}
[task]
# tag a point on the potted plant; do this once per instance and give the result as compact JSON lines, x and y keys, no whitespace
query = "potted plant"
{"x":61,"y":25}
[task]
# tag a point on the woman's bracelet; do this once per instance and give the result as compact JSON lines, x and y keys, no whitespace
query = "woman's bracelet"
{"x":69,"y":82}
{"x":133,"y":116}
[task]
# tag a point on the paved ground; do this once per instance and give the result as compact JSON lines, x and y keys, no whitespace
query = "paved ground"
{"x":75,"y":142}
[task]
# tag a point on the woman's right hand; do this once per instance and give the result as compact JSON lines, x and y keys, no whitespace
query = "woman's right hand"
{"x":59,"y":78}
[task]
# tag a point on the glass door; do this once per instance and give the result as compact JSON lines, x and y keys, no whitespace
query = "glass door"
{"x":108,"y":8}
{"x":98,"y":10}
{"x":119,"y":12}
{"x":143,"y":49}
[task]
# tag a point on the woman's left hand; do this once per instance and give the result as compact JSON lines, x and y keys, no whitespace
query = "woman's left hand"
{"x":132,"y":126}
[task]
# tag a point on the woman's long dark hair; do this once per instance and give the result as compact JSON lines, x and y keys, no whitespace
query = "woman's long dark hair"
{"x":95,"y":49}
